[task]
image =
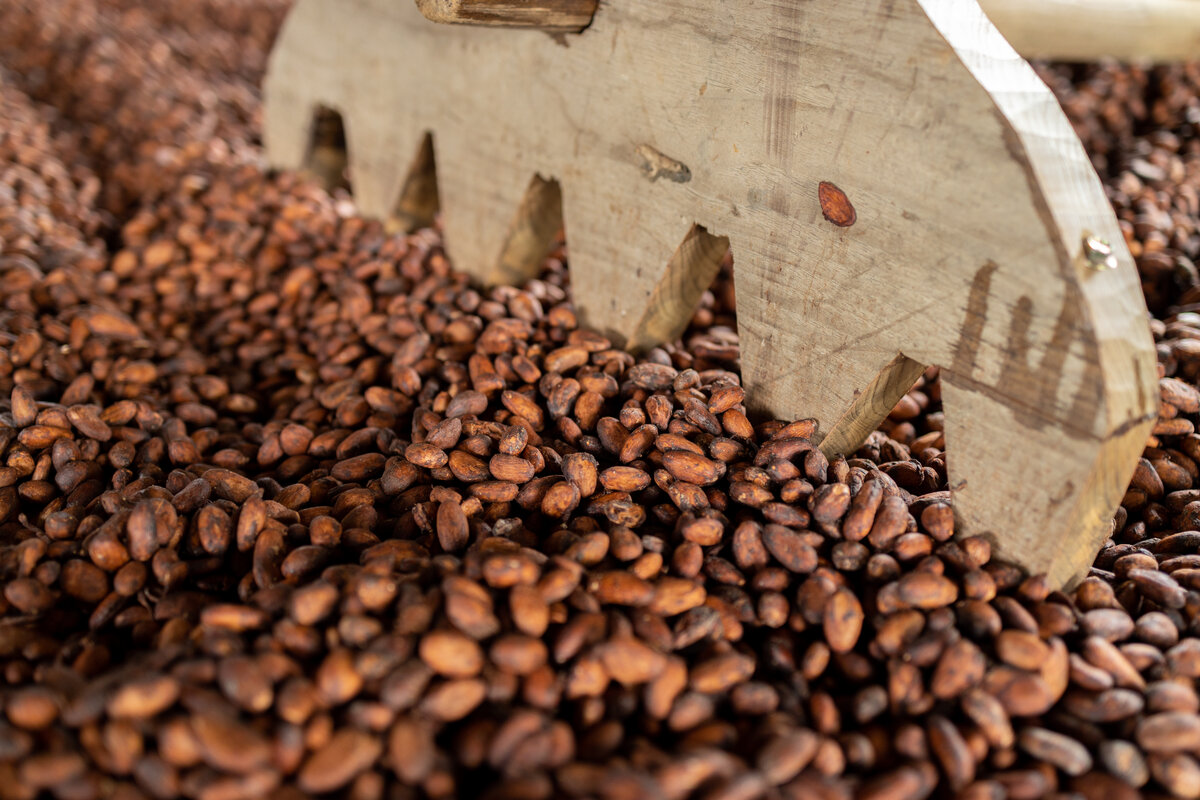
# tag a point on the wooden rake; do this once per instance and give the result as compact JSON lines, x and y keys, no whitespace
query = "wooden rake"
{"x":897,"y":185}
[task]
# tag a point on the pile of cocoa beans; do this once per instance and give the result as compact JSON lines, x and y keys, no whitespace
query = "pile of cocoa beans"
{"x":288,"y":508}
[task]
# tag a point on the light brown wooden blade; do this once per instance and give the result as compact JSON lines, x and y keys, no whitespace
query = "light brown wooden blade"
{"x":482,"y":195}
{"x":891,"y":175}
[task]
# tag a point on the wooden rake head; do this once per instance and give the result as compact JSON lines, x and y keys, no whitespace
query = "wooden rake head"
{"x":898,"y":187}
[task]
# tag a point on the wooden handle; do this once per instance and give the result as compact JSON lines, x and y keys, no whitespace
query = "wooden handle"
{"x":554,"y":16}
{"x":1087,"y":30}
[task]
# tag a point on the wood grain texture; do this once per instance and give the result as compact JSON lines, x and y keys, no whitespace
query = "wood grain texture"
{"x":871,"y":405}
{"x":538,"y":221}
{"x":1088,"y":30}
{"x":970,"y":193}
{"x":692,"y":269}
{"x":556,"y":16}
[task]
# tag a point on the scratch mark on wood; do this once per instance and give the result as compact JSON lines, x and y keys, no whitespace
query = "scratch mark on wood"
{"x":779,"y":101}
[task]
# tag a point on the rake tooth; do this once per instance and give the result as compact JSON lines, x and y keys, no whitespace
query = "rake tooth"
{"x":871,"y":406}
{"x":624,"y":278}
{"x":287,"y":123}
{"x":849,"y":398}
{"x":379,"y":157}
{"x":477,"y":215}
{"x":799,"y":356}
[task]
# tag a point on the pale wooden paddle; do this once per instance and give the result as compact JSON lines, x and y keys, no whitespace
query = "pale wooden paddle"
{"x":898,"y":187}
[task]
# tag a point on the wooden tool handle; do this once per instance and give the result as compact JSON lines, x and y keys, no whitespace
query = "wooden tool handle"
{"x":1087,"y":30}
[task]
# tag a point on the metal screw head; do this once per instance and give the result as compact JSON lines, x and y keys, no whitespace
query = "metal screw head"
{"x":1099,"y":253}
